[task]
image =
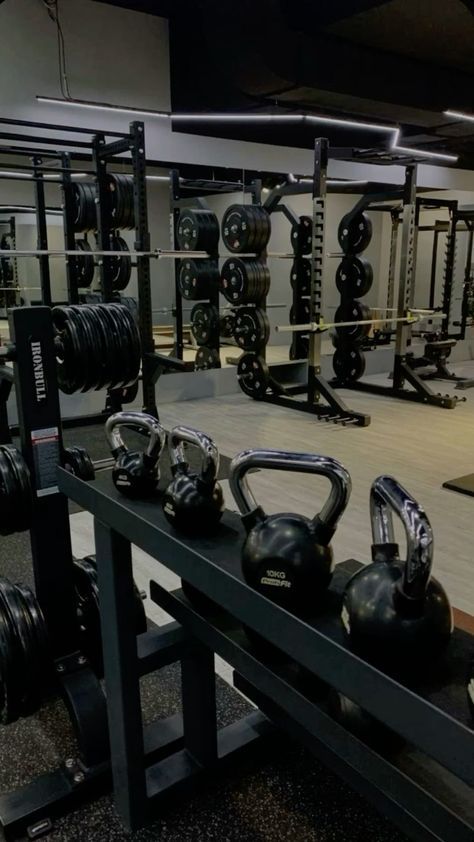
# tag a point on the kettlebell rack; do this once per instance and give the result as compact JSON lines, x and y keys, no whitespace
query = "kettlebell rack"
{"x":424,"y":787}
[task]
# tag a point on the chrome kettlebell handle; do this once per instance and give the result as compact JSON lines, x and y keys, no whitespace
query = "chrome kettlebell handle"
{"x":132,"y":420}
{"x":207,"y":448}
{"x":388,"y":496}
{"x":305,"y":463}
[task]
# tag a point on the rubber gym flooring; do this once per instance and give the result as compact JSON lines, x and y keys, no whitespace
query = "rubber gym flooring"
{"x":283,"y":795}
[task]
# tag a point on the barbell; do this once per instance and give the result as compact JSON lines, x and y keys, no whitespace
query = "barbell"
{"x":411,"y":317}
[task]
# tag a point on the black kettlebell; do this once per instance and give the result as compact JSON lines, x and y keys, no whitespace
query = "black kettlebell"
{"x":193,"y":502}
{"x":394,"y":614}
{"x":288,"y":557}
{"x":135,"y":473}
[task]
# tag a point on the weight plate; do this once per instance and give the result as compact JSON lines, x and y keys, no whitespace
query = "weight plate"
{"x":299,"y":348}
{"x":197,"y":278}
{"x":348,"y":364}
{"x":244,"y":280}
{"x":77,"y":461}
{"x":353,"y":311}
{"x":88,"y":611}
{"x":301,"y":235}
{"x":85,"y":216}
{"x":251,"y":328}
{"x":121,"y":267}
{"x":245,"y":228}
{"x":354,"y":277}
{"x":20,"y":490}
{"x":205,"y":324}
{"x":253,"y":375}
{"x":354,"y":233}
{"x":207,"y":358}
{"x":84,"y":266}
{"x":300,"y":276}
{"x":226,"y":325}
{"x":197,"y":230}
{"x":121,"y":201}
{"x":301,"y":313}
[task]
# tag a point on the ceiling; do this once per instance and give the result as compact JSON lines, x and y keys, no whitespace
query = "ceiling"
{"x":401,"y":62}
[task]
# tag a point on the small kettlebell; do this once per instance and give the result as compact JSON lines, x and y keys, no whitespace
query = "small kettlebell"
{"x":135,"y":473}
{"x":288,"y":557}
{"x":193,"y":502}
{"x":393,"y":612}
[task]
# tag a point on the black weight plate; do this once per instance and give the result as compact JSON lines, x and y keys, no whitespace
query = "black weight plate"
{"x":88,"y":359}
{"x":238,"y":228}
{"x":253,"y":375}
{"x":226,"y":325}
{"x":299,"y":349}
{"x":121,"y":267}
{"x":84,"y":266}
{"x":348,"y":363}
{"x":128,"y":343}
{"x":78,"y":462}
{"x":197,"y":230}
{"x":300,"y":276}
{"x":102,"y":343}
{"x":251,"y":328}
{"x":205,"y":324}
{"x":353,"y":311}
{"x":23,"y":498}
{"x":264,"y":228}
{"x":194,"y":279}
{"x":119,"y":358}
{"x":301,"y":313}
{"x":207,"y":358}
{"x":301,"y":236}
{"x":69,"y":350}
{"x":354,"y":233}
{"x":8,"y":496}
{"x":236,"y":277}
{"x":11,"y":660}
{"x":354,"y":277}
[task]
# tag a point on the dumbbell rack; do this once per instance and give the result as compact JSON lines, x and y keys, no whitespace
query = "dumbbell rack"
{"x":424,"y":787}
{"x":285,"y":385}
{"x":402,"y":373}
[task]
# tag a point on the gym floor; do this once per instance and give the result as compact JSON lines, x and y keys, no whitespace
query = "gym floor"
{"x":287,"y":795}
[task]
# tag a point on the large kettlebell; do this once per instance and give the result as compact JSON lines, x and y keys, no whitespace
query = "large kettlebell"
{"x":135,"y":473}
{"x":393,"y":612}
{"x":288,"y":557}
{"x":193,"y":502}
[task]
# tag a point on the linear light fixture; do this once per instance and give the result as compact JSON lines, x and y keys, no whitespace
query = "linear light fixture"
{"x":244,"y":117}
{"x":103,"y":106}
{"x":460,"y":115}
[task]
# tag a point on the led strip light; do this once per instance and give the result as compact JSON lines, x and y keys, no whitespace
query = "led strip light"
{"x":394,"y":131}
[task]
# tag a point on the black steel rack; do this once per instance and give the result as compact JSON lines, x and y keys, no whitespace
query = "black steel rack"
{"x":425,"y":787}
{"x":305,"y":395}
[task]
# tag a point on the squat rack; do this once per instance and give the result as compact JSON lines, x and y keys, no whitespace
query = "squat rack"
{"x":103,"y":149}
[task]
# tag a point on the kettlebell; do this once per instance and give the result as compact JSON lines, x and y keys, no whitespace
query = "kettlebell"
{"x":394,"y":614}
{"x":193,"y":502}
{"x":135,"y":473}
{"x":288,"y":557}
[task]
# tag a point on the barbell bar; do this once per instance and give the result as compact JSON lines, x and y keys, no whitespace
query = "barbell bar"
{"x":156,"y":253}
{"x":412,"y":317}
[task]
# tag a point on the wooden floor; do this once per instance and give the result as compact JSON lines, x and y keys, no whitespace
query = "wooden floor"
{"x":420,"y":445}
